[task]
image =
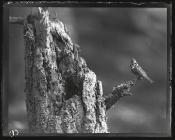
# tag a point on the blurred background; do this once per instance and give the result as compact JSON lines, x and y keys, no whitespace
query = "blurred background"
{"x":108,"y":38}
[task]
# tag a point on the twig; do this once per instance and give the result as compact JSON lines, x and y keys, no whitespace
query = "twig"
{"x":16,"y":20}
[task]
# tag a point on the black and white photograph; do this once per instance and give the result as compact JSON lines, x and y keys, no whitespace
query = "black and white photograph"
{"x":84,"y":69}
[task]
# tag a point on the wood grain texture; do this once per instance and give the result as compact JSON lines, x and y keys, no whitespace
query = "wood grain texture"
{"x":62,"y":94}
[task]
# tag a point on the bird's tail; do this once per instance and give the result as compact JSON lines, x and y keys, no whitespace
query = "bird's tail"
{"x":150,"y":80}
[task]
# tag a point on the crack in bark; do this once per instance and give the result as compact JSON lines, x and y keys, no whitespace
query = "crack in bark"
{"x":63,"y":96}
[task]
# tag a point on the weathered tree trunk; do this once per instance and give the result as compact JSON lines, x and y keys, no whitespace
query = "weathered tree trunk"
{"x":62,"y":94}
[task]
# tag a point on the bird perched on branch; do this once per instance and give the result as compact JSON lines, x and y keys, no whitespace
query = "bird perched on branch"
{"x":138,"y":71}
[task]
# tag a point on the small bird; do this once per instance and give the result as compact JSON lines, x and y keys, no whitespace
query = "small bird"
{"x":138,"y":71}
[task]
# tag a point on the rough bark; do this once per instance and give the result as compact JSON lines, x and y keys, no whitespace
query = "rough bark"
{"x":62,"y":94}
{"x":119,"y":91}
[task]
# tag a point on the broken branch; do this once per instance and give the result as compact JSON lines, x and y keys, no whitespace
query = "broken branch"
{"x":119,"y":91}
{"x":16,"y":20}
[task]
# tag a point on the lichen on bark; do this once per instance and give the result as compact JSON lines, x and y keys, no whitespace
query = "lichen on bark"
{"x":62,"y":94}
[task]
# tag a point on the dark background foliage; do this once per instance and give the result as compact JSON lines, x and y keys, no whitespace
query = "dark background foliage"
{"x":108,"y":37}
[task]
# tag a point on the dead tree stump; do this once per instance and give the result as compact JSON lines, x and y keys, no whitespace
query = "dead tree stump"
{"x":62,"y":94}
